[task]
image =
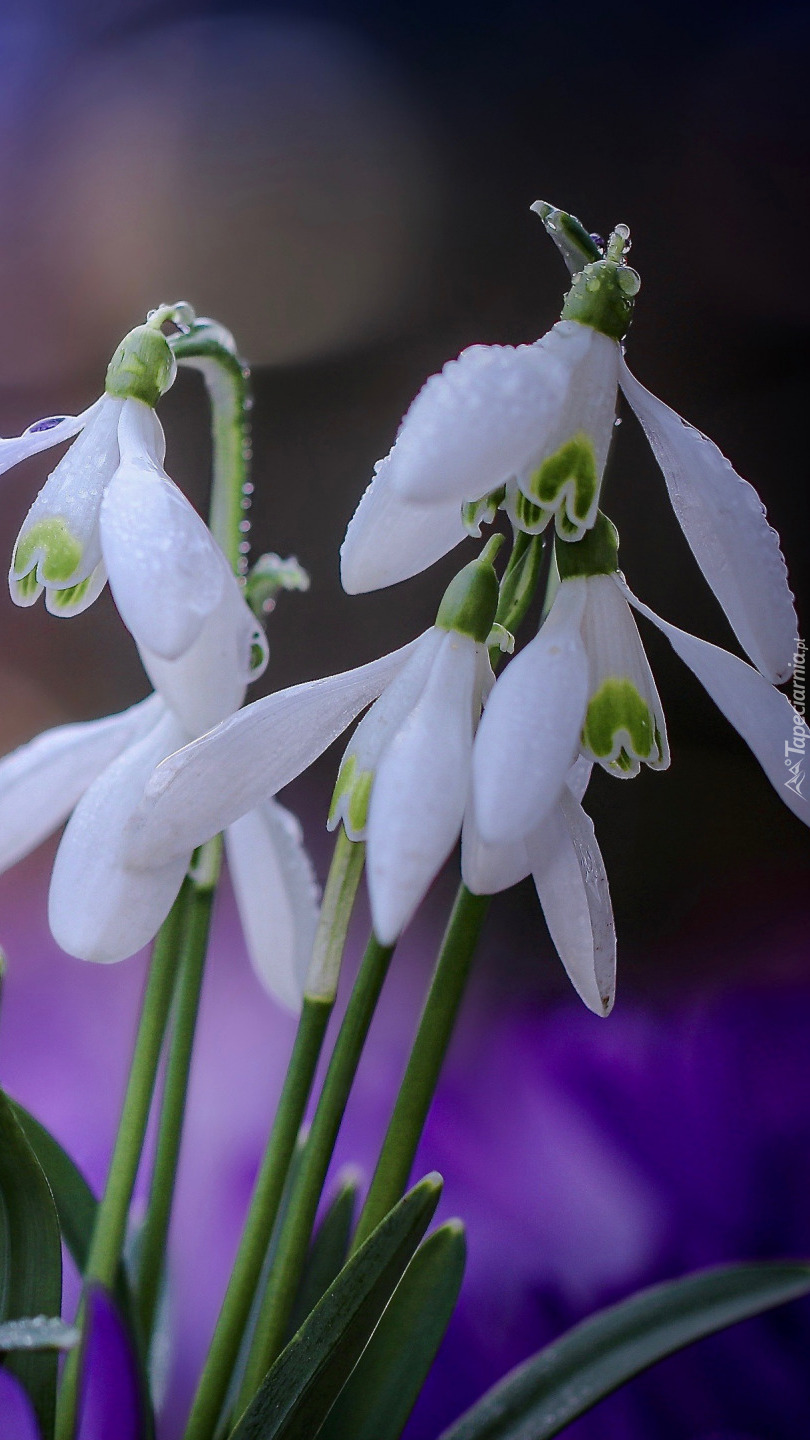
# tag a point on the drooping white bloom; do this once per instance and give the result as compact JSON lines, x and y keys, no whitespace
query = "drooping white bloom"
{"x":528,"y":427}
{"x":584,"y":686}
{"x":563,"y":858}
{"x":109,"y":510}
{"x":405,"y":778}
{"x":99,"y":908}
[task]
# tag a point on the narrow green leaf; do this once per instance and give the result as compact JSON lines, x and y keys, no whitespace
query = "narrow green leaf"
{"x":75,"y":1202}
{"x":542,"y":1396}
{"x":327,"y":1253}
{"x":40,"y":1332}
{"x":30,"y":1258}
{"x":382,"y":1390}
{"x":303,"y":1383}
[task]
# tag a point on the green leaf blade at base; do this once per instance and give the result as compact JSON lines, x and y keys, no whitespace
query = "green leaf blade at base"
{"x":540,"y":1397}
{"x":383,"y":1388}
{"x":303,"y":1383}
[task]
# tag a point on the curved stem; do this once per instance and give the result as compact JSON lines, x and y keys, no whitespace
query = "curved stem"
{"x":285,"y":1275}
{"x":152,"y":1238}
{"x":424,"y":1066}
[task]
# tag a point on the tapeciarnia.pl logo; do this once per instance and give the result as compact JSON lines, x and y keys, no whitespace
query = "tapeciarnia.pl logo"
{"x":795,"y":747}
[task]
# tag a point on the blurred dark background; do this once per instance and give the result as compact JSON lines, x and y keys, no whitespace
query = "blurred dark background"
{"x":348,"y":187}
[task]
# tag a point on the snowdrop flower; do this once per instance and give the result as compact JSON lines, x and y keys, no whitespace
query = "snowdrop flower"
{"x":563,"y":858}
{"x":528,"y":428}
{"x":584,"y":685}
{"x":405,"y":778}
{"x":95,"y":772}
{"x":109,"y":510}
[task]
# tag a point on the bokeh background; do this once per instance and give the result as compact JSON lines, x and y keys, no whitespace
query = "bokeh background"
{"x":347,"y":188}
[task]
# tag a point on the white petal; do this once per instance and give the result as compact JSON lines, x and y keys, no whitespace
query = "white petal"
{"x":165,"y":567}
{"x":42,"y":781}
{"x":381,"y":722}
{"x":98,"y":908}
{"x":390,"y":539}
{"x":724,"y":521}
{"x":420,"y":789}
{"x":477,"y":423}
{"x":488,"y":869}
{"x":209,"y":784}
{"x":70,"y":501}
{"x":42,"y":435}
{"x":579,"y":777}
{"x":762,"y":715}
{"x":571,"y":882}
{"x":208,"y":682}
{"x":277,"y":897}
{"x":529,"y":731}
{"x":615,"y":652}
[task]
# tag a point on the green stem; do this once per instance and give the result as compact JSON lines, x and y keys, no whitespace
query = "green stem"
{"x":210,"y":348}
{"x":109,"y":1233}
{"x":286,"y":1273}
{"x":153,"y":1235}
{"x":338,"y":900}
{"x":424,"y":1066}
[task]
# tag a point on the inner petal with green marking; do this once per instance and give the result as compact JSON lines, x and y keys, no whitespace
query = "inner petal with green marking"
{"x":350,"y":799}
{"x":49,"y":542}
{"x":620,"y":729}
{"x":568,"y":480}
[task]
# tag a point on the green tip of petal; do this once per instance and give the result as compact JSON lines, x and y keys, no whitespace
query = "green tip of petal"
{"x":470,"y":601}
{"x":596,"y":553}
{"x":620,"y":730}
{"x":143,"y":367}
{"x":68,"y":598}
{"x":51,"y":542}
{"x":568,"y":481}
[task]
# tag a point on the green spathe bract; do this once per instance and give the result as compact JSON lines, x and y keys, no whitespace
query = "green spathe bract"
{"x":597,"y":553}
{"x":143,"y":367}
{"x":572,"y":467}
{"x":617,"y":708}
{"x":60,"y":551}
{"x":471,"y":599}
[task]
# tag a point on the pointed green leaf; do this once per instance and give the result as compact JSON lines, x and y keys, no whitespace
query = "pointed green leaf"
{"x":542,"y":1396}
{"x":381,"y":1392}
{"x":30,"y":1258}
{"x":327,"y":1253}
{"x":308,"y":1375}
{"x":40,"y":1332}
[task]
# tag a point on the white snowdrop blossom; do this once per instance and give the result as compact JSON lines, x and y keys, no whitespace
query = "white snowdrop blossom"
{"x":405,"y":778}
{"x":563,"y":858}
{"x":110,"y":511}
{"x":101,"y":909}
{"x":584,"y":686}
{"x":528,"y":428}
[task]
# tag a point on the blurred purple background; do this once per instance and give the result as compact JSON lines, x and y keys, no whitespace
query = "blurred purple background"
{"x":348,"y":189}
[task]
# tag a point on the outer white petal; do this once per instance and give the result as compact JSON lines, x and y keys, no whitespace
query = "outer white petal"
{"x":390,"y":539}
{"x":73,"y":493}
{"x":477,"y":423}
{"x":164,"y":565}
{"x":762,"y":715}
{"x":571,"y":882}
{"x":207,"y":683}
{"x":724,"y":521}
{"x":488,"y":869}
{"x":615,"y":652}
{"x":98,"y":908}
{"x":42,"y":435}
{"x":209,"y":784}
{"x":420,"y":789}
{"x":42,"y":781}
{"x":529,"y":731}
{"x":277,"y":897}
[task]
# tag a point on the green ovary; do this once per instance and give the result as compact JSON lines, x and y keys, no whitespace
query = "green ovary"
{"x":356,"y":785}
{"x":573,"y":464}
{"x":61,"y":551}
{"x":618,"y":707}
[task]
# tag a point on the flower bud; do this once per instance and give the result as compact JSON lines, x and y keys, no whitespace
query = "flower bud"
{"x":471,"y":599}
